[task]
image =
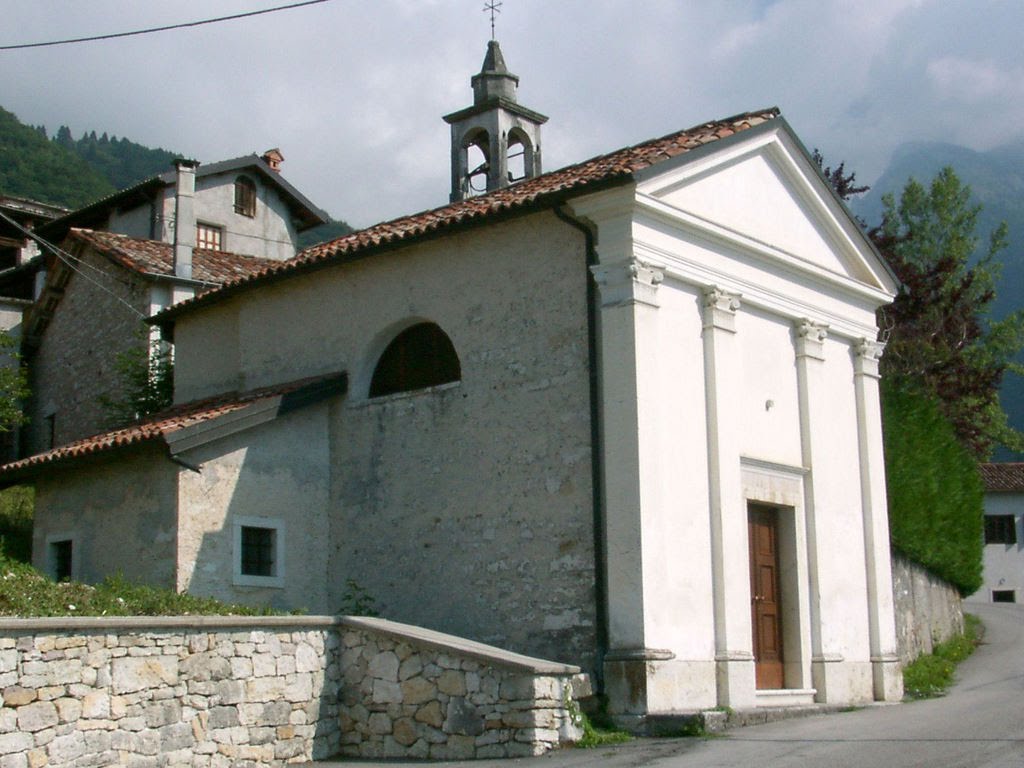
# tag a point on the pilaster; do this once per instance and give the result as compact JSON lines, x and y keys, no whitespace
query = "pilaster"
{"x":810,"y":358}
{"x":885,"y":666}
{"x":628,"y":337}
{"x":734,"y":658}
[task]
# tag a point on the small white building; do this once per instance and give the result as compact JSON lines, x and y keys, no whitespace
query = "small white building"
{"x":1004,"y":534}
{"x":624,"y":414}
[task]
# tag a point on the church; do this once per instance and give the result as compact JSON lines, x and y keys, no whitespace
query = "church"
{"x":624,"y":415}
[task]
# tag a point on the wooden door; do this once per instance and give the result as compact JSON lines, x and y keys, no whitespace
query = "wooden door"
{"x":765,"y":603}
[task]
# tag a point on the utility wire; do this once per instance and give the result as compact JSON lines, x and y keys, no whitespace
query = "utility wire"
{"x":162,"y":29}
{"x":70,"y":260}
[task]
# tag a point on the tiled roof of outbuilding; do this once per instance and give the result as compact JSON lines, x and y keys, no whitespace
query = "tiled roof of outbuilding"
{"x":157,"y":258}
{"x":1002,"y":477}
{"x":618,"y":166}
{"x":155,"y":427}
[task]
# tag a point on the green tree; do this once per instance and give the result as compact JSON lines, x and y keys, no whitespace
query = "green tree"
{"x":146,"y":384}
{"x":13,"y":384}
{"x":940,"y":337}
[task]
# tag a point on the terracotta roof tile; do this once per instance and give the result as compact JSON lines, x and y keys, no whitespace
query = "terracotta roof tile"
{"x":157,"y":426}
{"x":155,"y":257}
{"x":1005,"y":477}
{"x":621,"y":164}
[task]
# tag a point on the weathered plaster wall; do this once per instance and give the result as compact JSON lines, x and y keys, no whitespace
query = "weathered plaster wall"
{"x":270,"y":233}
{"x":75,"y":362}
{"x":1004,"y":563}
{"x":120,"y":516}
{"x":466,"y":508}
{"x":928,"y":609}
{"x":272,"y":475}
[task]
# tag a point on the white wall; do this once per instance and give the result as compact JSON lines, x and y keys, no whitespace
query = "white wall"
{"x":1004,"y":563}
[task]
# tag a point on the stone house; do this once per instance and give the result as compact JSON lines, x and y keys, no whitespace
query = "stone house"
{"x":624,"y":415}
{"x":1004,"y":534}
{"x":122,"y":259}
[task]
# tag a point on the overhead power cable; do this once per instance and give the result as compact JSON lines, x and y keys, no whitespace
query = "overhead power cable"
{"x":165,"y":28}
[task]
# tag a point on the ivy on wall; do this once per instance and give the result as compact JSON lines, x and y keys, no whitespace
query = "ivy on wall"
{"x":935,"y":492}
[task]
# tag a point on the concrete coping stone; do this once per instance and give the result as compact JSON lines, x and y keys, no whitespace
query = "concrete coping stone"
{"x":488,"y":654}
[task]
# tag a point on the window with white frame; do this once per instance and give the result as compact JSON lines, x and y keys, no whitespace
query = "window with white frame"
{"x":209,"y":236}
{"x":258,"y":552}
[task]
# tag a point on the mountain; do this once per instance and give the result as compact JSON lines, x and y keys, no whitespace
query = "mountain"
{"x":996,"y":178}
{"x":32,"y":166}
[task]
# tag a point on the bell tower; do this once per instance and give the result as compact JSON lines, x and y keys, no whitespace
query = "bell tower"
{"x":496,"y":141}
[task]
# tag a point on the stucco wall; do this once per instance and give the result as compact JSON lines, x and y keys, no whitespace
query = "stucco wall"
{"x":75,"y":362}
{"x":1004,"y":563}
{"x":270,"y":233}
{"x":274,"y":475}
{"x":928,"y":609}
{"x":466,"y":508}
{"x":120,"y":517}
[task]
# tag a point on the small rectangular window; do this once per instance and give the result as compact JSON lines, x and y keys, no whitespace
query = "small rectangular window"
{"x":258,"y":552}
{"x":60,"y":559}
{"x":1000,"y":529}
{"x":209,"y":237}
{"x":1003,"y":596}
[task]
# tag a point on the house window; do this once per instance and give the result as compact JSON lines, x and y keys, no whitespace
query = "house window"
{"x":1003,"y":596}
{"x":245,"y":196}
{"x":209,"y":236}
{"x":259,"y":552}
{"x":59,"y":557}
{"x":421,"y":356}
{"x":1000,"y":529}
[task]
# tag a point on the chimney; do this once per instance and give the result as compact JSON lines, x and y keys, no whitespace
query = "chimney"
{"x":273,"y":158}
{"x":184,"y":217}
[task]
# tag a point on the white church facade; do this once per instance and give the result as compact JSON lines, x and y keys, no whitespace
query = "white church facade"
{"x":624,"y":414}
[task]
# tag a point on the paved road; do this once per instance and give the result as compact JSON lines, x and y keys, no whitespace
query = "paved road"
{"x":979,"y":724}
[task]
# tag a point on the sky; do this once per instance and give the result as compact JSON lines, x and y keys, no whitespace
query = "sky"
{"x":352,"y":91}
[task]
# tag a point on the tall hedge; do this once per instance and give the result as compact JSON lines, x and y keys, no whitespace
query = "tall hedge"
{"x":935,"y":492}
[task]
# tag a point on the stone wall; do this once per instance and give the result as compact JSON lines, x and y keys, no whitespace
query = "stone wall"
{"x":417,"y":694}
{"x":243,"y":691}
{"x":928,"y":609}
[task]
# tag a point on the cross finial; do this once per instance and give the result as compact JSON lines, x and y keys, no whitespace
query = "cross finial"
{"x":494,"y":6}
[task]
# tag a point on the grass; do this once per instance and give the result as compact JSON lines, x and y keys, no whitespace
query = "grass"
{"x":598,"y":728}
{"x":27,"y":593}
{"x":929,"y":676}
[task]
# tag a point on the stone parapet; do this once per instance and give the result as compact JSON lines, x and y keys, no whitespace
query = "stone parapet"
{"x":409,"y":692}
{"x":225,"y":691}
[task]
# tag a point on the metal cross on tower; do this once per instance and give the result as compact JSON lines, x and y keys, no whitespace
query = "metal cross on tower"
{"x":494,"y":6}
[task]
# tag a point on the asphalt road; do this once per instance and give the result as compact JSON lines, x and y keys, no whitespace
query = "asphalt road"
{"x":978,"y":724}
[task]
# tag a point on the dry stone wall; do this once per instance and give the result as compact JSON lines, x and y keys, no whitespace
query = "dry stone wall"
{"x":928,"y":609}
{"x":419,"y":695}
{"x":205,"y":692}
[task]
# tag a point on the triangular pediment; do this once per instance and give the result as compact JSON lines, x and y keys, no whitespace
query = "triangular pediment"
{"x":767,"y":191}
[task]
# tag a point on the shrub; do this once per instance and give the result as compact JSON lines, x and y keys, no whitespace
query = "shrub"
{"x":935,"y":492}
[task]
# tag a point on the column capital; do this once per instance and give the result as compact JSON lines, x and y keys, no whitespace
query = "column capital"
{"x":720,"y":308}
{"x":867,"y":354}
{"x":631,"y":282}
{"x":810,"y":338}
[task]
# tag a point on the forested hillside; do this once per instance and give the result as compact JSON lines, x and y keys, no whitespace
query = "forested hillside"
{"x":32,"y":166}
{"x":120,"y":161}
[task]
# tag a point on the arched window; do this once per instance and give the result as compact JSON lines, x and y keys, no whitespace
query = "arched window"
{"x":421,"y":356}
{"x":245,"y":196}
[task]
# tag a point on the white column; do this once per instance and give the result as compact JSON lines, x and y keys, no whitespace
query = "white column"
{"x":814,"y":437}
{"x":630,"y":420}
{"x":885,"y":665}
{"x":730,"y":559}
